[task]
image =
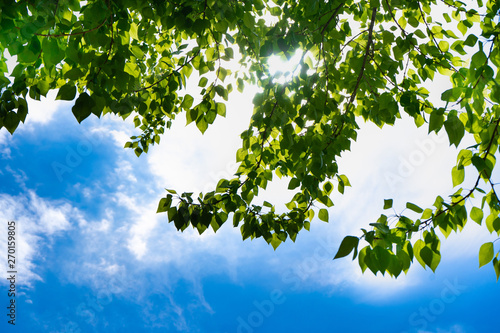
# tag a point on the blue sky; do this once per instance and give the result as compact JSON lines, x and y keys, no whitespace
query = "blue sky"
{"x":94,"y":257}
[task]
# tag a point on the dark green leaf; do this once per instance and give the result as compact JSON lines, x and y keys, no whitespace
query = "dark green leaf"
{"x":83,"y":106}
{"x":387,"y":203}
{"x":11,"y":121}
{"x":66,"y":92}
{"x":455,"y":129}
{"x":348,"y":244}
{"x":294,"y":183}
{"x":414,"y":207}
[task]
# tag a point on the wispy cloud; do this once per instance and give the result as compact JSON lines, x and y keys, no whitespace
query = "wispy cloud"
{"x":38,"y":222}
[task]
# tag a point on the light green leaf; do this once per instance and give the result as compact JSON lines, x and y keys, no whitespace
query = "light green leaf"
{"x":202,"y":124}
{"x":187,"y":102}
{"x":323,"y":215}
{"x":457,"y":175}
{"x":476,"y":215}
{"x":164,"y":204}
{"x":203,"y":82}
{"x":417,"y":247}
{"x":221,"y":109}
{"x":137,"y":52}
{"x":275,"y":241}
{"x":486,"y":253}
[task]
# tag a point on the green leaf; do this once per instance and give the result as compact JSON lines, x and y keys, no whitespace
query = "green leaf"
{"x":479,"y":163}
{"x":343,"y":181}
{"x":414,"y":207}
{"x":52,"y":52}
{"x":202,"y":124}
{"x":137,"y":52}
{"x":486,"y":253}
{"x":266,"y":50}
{"x":164,"y":204}
{"x":294,"y":183}
{"x":478,"y":59}
{"x":11,"y":121}
{"x":221,"y":109}
{"x":323,"y":215}
{"x":275,"y":241}
{"x":43,"y":87}
{"x":203,"y":82}
{"x":348,"y":244}
{"x":496,"y":266}
{"x":476,"y":215}
{"x":382,"y":227}
{"x":417,"y":248}
{"x":258,"y":4}
{"x":22,"y":109}
{"x":490,"y":220}
{"x":387,"y":203}
{"x":457,"y":175}
{"x":436,"y":121}
{"x":455,"y":129}
{"x":363,"y":258}
{"x":430,"y":257}
{"x":187,"y":102}
{"x":66,"y":92}
{"x":452,"y":95}
{"x":283,"y":45}
{"x":471,"y":40}
{"x":382,"y":257}
{"x":328,"y":187}
{"x":83,"y":106}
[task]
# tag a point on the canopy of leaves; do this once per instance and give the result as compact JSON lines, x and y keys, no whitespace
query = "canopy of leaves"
{"x":367,"y":59}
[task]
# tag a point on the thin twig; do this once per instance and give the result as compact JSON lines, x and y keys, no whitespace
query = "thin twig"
{"x":168,"y":76}
{"x":426,"y":223}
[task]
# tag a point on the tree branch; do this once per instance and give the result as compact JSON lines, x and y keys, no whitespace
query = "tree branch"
{"x":367,"y":52}
{"x":426,"y":223}
{"x":331,"y":18}
{"x":74,"y":33}
{"x":169,"y":75}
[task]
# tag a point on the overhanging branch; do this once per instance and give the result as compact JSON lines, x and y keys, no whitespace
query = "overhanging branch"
{"x":365,"y":58}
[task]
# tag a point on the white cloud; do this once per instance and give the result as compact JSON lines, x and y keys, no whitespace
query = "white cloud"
{"x":51,"y":219}
{"x":190,"y":161}
{"x":43,"y":111}
{"x":38,"y":220}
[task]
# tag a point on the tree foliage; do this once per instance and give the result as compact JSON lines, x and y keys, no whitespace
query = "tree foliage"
{"x":359,"y":59}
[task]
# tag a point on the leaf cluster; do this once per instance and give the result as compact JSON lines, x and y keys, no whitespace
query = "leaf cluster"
{"x":360,"y":59}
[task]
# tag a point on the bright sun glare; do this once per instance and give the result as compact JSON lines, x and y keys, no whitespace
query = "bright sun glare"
{"x":284,"y":69}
